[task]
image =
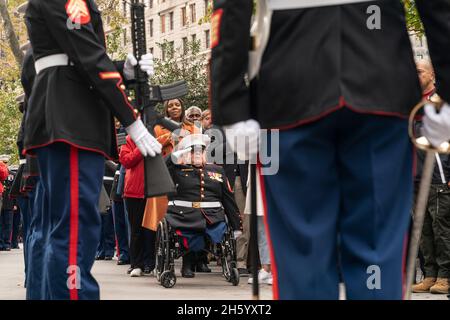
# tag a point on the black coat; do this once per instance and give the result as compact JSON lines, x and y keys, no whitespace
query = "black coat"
{"x":205,"y":184}
{"x":74,"y":104}
{"x":320,"y":59}
{"x":25,"y":178}
{"x":108,"y":178}
{"x":8,"y":200}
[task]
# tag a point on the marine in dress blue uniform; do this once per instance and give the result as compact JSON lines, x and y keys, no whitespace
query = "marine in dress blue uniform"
{"x":69,"y":127}
{"x":340,"y":93}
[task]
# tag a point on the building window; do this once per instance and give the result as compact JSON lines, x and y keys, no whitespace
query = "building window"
{"x":206,"y":6}
{"x":185,"y":45}
{"x":183,"y":16}
{"x":420,"y":42}
{"x":150,"y":4}
{"x":168,"y":51}
{"x":150,"y":28}
{"x":151,"y":50}
{"x":124,"y":8}
{"x":193,"y":15}
{"x":194,"y":38}
{"x":171,"y":20}
{"x":207,"y":39}
{"x":124,"y":36}
{"x":163,"y":23}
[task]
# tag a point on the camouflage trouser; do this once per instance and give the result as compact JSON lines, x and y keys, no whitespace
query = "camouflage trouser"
{"x":242,"y":243}
{"x":435,"y":240}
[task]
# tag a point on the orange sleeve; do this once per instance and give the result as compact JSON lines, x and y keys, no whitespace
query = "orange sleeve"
{"x":163,"y":135}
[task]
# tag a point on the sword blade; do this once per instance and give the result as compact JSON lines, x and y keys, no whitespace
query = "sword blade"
{"x":418,"y":218}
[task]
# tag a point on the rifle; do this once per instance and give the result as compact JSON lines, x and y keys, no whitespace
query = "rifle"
{"x":158,"y":181}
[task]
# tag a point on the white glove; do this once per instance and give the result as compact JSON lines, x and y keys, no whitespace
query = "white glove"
{"x":146,"y":64}
{"x":145,"y":142}
{"x":436,"y":125}
{"x":240,"y":132}
{"x":237,"y":233}
{"x":177,"y":155}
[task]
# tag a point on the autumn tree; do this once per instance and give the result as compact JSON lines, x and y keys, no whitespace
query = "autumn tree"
{"x":13,"y":33}
{"x":184,"y":64}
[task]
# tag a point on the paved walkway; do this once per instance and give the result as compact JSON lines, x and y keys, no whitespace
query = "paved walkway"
{"x":115,"y":284}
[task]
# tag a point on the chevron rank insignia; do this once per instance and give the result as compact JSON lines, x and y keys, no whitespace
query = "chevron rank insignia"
{"x":78,"y":11}
{"x":216,"y":20}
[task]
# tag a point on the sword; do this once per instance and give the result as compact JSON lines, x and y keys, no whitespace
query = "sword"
{"x":422,"y":198}
{"x":254,"y":232}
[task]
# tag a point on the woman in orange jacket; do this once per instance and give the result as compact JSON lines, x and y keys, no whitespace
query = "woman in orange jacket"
{"x":174,"y":110}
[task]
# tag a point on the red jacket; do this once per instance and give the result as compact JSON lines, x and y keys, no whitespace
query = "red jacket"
{"x":3,"y":175}
{"x":131,"y":158}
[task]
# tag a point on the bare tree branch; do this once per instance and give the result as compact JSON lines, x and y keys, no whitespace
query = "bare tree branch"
{"x":10,"y":33}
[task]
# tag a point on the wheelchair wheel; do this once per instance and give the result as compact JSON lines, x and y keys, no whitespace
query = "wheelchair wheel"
{"x":234,"y":277}
{"x":168,"y":279}
{"x":162,"y":250}
{"x":225,"y":262}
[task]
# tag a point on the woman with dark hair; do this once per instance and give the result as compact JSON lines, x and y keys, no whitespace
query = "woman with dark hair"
{"x":175,"y":111}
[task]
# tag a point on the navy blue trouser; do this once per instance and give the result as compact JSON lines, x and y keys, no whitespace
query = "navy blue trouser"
{"x":6,"y":221}
{"x":71,"y":181}
{"x":195,"y":241}
{"x":107,"y":239}
{"x":121,"y":229}
{"x":35,"y":245}
{"x":23,"y":203}
{"x":17,"y":219}
{"x":347,"y":174}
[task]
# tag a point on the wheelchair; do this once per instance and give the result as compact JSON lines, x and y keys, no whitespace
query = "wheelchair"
{"x":169,"y":247}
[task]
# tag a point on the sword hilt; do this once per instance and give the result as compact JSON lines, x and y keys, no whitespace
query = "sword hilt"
{"x":422,"y":142}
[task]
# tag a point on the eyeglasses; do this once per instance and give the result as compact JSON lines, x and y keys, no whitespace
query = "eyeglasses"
{"x":196,"y":116}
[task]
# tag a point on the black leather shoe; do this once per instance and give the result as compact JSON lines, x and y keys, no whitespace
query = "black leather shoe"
{"x":100,"y":258}
{"x":243,"y":272}
{"x":108,"y":258}
{"x":202,"y":267}
{"x":148,"y":269}
{"x":129,"y":270}
{"x":123,"y":262}
{"x":187,"y":273}
{"x":187,"y":266}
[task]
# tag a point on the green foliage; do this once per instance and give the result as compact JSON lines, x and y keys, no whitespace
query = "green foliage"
{"x":10,"y":118}
{"x":413,"y":21}
{"x":114,"y":21}
{"x":184,"y":64}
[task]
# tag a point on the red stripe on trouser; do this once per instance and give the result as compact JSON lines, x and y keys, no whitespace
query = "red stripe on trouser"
{"x":185,"y":241}
{"x":117,"y":247}
{"x":404,"y":258}
{"x":269,"y":239}
{"x":73,"y":240}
